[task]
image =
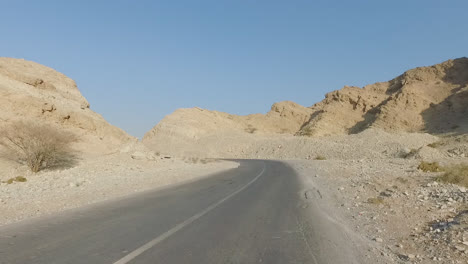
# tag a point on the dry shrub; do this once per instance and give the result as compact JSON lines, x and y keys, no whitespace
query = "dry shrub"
{"x":402,"y":180}
{"x":375,"y":200}
{"x":36,"y":145}
{"x":250,"y":129}
{"x":307,"y":132}
{"x":320,"y":157}
{"x":436,"y":144}
{"x":410,"y":154}
{"x":16,"y":179}
{"x":456,"y":174}
{"x":208,"y":160}
{"x":192,"y":160}
{"x":429,"y":166}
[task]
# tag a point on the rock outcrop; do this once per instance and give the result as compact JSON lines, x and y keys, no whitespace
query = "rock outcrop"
{"x":431,"y":99}
{"x":38,"y":93}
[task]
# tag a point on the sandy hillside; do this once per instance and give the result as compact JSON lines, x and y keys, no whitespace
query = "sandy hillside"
{"x":35,"y":92}
{"x":184,"y":131}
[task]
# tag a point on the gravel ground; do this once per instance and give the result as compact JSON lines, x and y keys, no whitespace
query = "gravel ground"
{"x":94,"y":180}
{"x":402,"y":212}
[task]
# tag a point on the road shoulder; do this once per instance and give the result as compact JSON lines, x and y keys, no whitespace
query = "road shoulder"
{"x":97,"y":180}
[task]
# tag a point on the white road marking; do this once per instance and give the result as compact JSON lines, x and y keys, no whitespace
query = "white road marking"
{"x":178,"y":227}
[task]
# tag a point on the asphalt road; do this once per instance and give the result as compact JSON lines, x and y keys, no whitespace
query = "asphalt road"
{"x":252,"y":214}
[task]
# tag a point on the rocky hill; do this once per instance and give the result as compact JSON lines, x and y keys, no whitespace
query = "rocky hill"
{"x":427,"y":99}
{"x":30,"y":91}
{"x":178,"y":131}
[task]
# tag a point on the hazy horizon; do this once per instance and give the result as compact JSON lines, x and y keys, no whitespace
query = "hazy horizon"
{"x":136,"y":63}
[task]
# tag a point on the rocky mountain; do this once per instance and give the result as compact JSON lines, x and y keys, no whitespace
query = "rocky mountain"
{"x":430,"y":99}
{"x":30,"y":91}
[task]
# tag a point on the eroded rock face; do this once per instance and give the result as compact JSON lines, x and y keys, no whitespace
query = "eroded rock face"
{"x":38,"y":93}
{"x":432,"y":99}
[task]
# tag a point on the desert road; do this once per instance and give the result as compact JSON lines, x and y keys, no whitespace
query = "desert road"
{"x":252,"y":214}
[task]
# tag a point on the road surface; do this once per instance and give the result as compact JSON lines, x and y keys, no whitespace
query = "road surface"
{"x":252,"y":214}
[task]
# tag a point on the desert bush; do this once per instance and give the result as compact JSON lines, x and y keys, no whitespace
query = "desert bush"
{"x":402,"y":180}
{"x":409,"y":154}
{"x":250,"y":129}
{"x":16,"y":179}
{"x":38,"y":146}
{"x":456,"y":174}
{"x":375,"y":200}
{"x":208,"y":160}
{"x":307,"y":132}
{"x":429,"y":166}
{"x":192,"y":160}
{"x":320,"y":157}
{"x":435,"y":144}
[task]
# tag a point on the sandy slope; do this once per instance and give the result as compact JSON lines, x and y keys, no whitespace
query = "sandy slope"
{"x":372,"y":143}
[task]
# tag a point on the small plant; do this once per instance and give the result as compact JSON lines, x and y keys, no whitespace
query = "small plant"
{"x":193,"y":160}
{"x":456,"y":174}
{"x":410,"y":154}
{"x":429,"y":166}
{"x":307,"y":132}
{"x":435,"y":144}
{"x":250,"y":129}
{"x":16,"y":179}
{"x":402,"y":180}
{"x":36,"y":145}
{"x":320,"y":157}
{"x":375,"y":200}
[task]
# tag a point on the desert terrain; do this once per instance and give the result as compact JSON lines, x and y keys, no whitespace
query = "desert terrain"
{"x":368,"y":149}
{"x":390,"y":160}
{"x":104,"y":161}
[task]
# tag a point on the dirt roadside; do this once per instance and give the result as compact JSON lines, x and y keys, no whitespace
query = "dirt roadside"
{"x":95,"y":180}
{"x":396,"y":212}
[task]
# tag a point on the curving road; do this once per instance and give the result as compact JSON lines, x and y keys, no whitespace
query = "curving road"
{"x":252,"y":214}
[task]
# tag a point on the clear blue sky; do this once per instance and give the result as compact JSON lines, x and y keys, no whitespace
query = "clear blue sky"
{"x":137,"y":61}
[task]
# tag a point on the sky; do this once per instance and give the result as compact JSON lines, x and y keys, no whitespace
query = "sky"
{"x":138,"y":61}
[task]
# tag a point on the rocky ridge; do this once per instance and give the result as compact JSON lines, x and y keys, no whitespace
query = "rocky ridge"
{"x":430,"y":100}
{"x":30,"y":91}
